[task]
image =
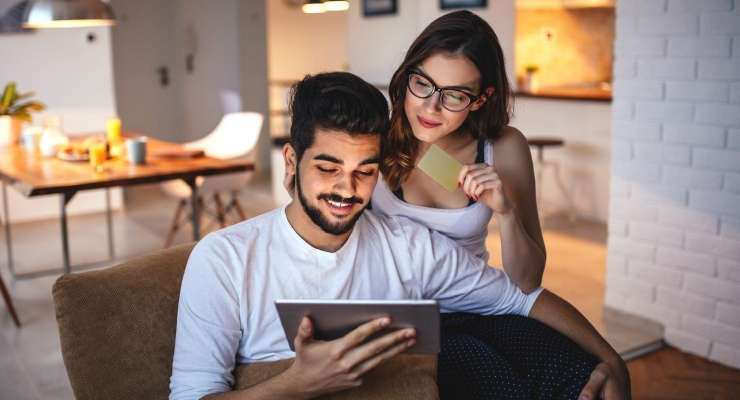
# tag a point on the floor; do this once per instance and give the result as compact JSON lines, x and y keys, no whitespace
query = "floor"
{"x":31,"y":366}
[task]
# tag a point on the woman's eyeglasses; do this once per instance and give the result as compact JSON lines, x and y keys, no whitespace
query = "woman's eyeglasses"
{"x":454,"y":100}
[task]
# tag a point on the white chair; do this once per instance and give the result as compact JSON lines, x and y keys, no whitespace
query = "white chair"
{"x":234,"y":137}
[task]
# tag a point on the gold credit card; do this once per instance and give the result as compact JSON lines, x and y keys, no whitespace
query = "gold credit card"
{"x":441,"y":167}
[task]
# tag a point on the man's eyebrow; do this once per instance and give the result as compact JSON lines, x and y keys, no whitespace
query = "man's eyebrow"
{"x":326,"y":157}
{"x":371,"y":160}
{"x":332,"y":159}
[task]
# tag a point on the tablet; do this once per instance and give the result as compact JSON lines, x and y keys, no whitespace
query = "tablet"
{"x":333,"y":319}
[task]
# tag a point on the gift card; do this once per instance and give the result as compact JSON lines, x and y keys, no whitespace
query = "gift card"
{"x":441,"y":167}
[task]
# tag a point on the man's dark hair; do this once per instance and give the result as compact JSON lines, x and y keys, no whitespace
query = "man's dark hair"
{"x":336,"y":101}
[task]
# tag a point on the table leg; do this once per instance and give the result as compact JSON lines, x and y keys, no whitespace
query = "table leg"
{"x":109,"y":222}
{"x":66,"y":197}
{"x":8,"y":237}
{"x":195,"y":207}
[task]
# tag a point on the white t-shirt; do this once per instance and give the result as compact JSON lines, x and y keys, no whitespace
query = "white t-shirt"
{"x":226,"y":314}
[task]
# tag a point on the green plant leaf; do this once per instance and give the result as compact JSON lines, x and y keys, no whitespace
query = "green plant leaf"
{"x":23,"y":116}
{"x":31,"y":106}
{"x":8,"y":96}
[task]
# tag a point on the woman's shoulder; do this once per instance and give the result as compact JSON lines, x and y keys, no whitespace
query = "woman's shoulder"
{"x":510,"y":146}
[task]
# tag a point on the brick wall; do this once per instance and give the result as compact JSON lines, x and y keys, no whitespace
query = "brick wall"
{"x":674,"y":224}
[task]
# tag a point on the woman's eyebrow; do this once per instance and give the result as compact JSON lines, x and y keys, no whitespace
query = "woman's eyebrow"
{"x":470,"y":86}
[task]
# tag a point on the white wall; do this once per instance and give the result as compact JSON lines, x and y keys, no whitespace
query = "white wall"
{"x":377,"y":45}
{"x":142,"y":43}
{"x":211,"y":28}
{"x":74,"y":79}
{"x":674,"y":226}
{"x":300,"y":44}
{"x":153,"y":34}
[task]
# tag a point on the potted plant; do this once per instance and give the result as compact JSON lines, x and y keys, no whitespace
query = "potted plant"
{"x":15,"y":108}
{"x":530,"y":84}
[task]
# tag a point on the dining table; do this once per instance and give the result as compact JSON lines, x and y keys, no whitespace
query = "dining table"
{"x":33,"y":175}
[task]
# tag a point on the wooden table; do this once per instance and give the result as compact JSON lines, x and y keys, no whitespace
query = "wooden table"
{"x":33,"y":175}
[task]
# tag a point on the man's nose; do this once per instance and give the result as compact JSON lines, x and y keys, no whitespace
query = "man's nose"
{"x":345,"y":186}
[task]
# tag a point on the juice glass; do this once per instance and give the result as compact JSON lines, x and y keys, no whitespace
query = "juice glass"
{"x":98,"y":153}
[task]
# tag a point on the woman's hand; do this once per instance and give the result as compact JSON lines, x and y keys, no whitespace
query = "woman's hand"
{"x":609,"y":381}
{"x":481,"y":183}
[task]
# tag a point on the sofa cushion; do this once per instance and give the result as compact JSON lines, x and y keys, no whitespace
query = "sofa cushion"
{"x":406,"y":376}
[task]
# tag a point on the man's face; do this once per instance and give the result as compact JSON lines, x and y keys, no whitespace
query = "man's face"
{"x":336,"y":177}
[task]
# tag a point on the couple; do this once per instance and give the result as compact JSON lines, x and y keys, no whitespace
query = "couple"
{"x":326,"y":245}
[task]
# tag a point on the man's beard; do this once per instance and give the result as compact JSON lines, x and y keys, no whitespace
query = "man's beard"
{"x":319,"y":219}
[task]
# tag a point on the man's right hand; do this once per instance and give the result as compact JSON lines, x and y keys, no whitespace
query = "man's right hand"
{"x":323,"y":367}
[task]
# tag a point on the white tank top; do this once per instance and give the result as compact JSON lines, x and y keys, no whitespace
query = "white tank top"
{"x":467,"y":226}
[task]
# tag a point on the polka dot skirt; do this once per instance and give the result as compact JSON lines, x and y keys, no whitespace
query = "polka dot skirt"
{"x":508,"y":357}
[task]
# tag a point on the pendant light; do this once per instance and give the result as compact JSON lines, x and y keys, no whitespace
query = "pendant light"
{"x":68,"y":14}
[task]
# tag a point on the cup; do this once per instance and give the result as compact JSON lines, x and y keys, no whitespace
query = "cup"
{"x":136,"y":149}
{"x":113,"y":129}
{"x":98,"y":153}
{"x":32,"y":138}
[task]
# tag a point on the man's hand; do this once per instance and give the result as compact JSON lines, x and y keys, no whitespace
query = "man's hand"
{"x":609,"y":381}
{"x":322,"y":367}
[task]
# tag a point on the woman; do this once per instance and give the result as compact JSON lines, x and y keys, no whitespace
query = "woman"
{"x":451,"y":91}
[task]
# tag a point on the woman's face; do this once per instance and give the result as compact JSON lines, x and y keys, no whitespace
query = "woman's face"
{"x":429,"y":120}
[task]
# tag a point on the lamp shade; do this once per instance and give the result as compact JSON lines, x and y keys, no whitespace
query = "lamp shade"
{"x":67,"y":14}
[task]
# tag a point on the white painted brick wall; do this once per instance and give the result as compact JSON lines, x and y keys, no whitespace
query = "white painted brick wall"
{"x":705,"y":135}
{"x":707,"y":91}
{"x":692,"y":178}
{"x":700,"y":47}
{"x":728,"y":270}
{"x":693,"y":6}
{"x":674,"y":235}
{"x":676,"y":68}
{"x":733,"y":139}
{"x":723,"y":160}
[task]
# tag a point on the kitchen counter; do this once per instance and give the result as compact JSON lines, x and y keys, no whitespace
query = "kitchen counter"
{"x":569,"y":93}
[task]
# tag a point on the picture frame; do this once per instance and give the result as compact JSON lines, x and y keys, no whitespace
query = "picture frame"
{"x":456,"y":4}
{"x":374,"y":8}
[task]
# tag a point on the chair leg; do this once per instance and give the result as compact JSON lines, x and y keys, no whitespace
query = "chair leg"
{"x":219,"y":210}
{"x":238,"y":207}
{"x":175,"y":226}
{"x":9,"y":303}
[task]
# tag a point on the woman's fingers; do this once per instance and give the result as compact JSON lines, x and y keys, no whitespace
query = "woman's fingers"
{"x":477,"y":176}
{"x":595,"y":383}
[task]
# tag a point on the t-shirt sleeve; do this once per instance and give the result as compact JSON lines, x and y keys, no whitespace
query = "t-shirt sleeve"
{"x":208,"y":322}
{"x":461,"y":282}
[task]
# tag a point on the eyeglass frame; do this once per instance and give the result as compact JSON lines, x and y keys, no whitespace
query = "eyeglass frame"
{"x":416,"y":71}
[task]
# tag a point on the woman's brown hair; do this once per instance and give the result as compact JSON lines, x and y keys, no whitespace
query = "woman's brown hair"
{"x":459,"y":33}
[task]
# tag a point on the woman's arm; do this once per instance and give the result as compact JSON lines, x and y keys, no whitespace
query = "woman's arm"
{"x":508,"y":188}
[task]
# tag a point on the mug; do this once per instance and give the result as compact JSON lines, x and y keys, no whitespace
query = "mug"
{"x":136,"y":149}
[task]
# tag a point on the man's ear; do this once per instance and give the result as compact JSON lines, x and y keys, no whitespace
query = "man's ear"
{"x":289,"y":157}
{"x":290,"y":160}
{"x":483,"y":99}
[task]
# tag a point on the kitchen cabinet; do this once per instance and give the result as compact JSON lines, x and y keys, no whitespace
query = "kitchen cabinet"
{"x":561,"y":4}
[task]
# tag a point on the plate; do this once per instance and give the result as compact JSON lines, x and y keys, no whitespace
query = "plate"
{"x":72,"y":156}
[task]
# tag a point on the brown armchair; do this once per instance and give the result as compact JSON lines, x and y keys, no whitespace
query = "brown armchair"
{"x":117,"y":332}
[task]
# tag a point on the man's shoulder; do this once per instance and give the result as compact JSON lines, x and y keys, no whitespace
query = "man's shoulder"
{"x":241,"y":233}
{"x":395,"y":224}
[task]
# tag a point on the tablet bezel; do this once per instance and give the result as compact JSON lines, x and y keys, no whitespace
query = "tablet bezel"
{"x":332,"y":317}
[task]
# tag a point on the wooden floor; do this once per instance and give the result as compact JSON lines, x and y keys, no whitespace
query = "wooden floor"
{"x":671,"y":374}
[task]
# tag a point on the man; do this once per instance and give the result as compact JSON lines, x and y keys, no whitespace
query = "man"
{"x":324,"y":245}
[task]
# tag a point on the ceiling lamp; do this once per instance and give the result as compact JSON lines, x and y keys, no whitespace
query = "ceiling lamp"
{"x":313,"y":7}
{"x":68,"y":14}
{"x":336,"y":5}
